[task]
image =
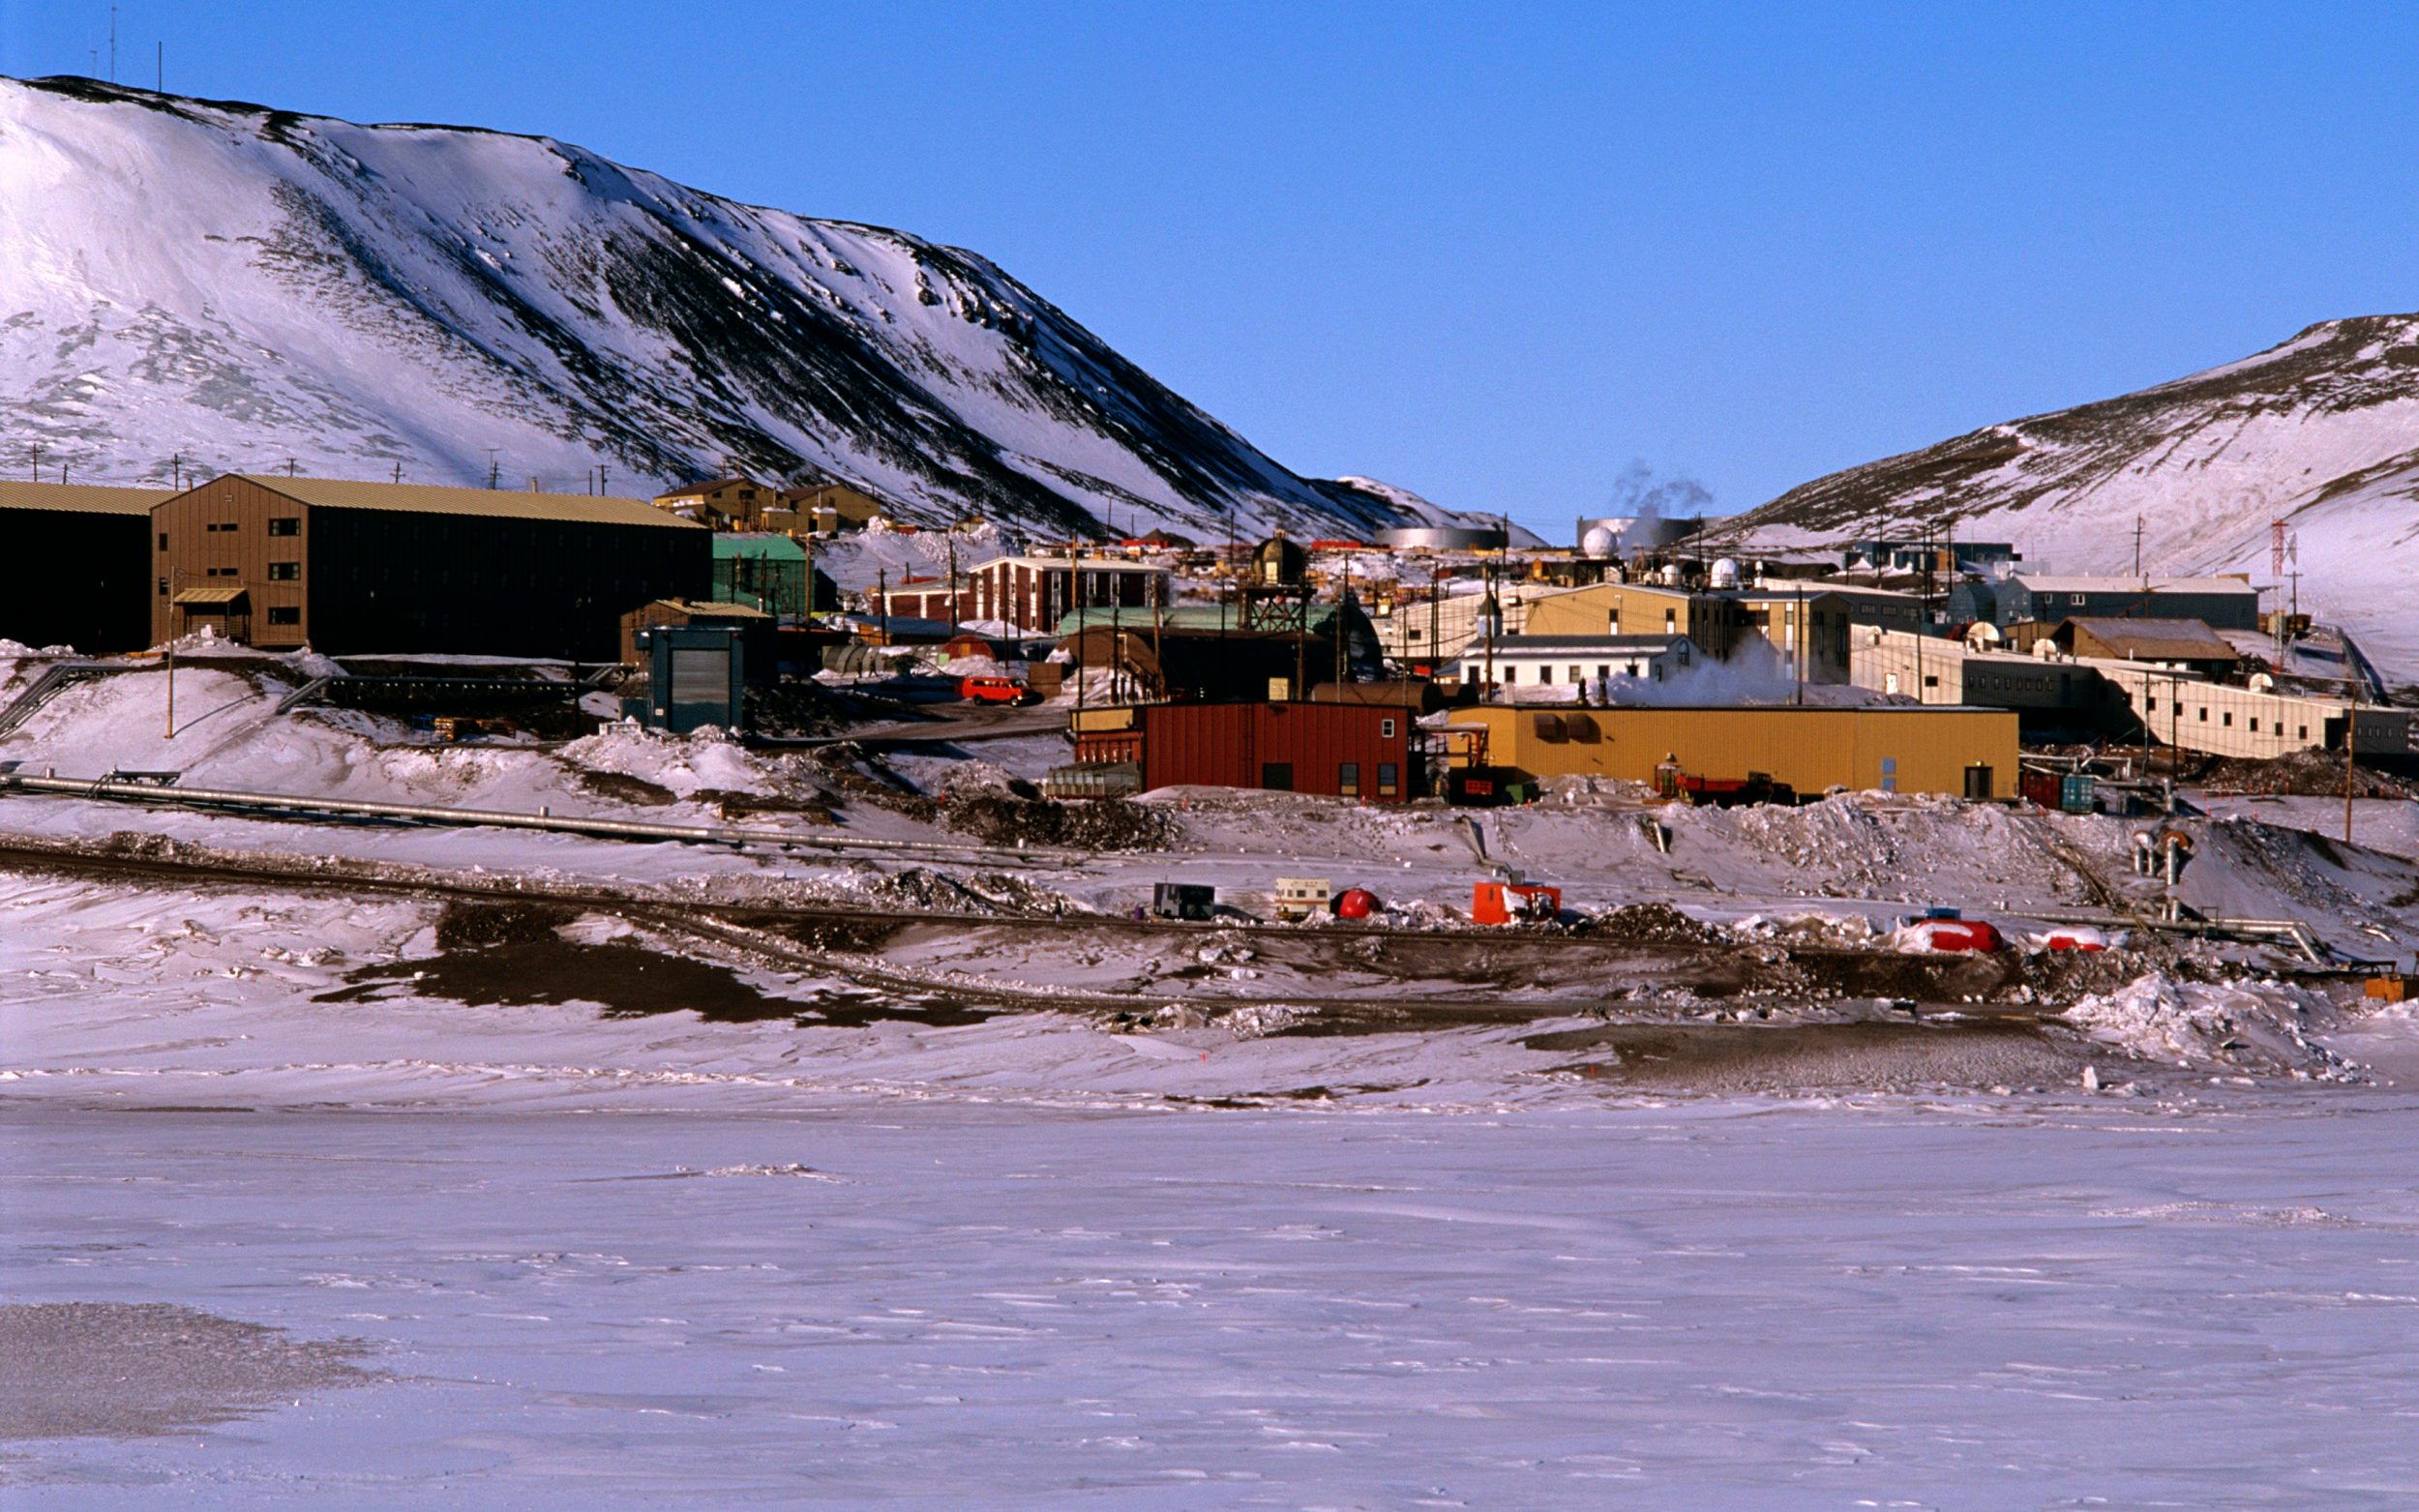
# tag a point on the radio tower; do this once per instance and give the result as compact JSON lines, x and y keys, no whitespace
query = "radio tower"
{"x":2275,"y":547}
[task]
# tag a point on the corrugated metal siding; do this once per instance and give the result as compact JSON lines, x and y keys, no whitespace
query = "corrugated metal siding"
{"x":1237,"y":744}
{"x":1923,"y":750}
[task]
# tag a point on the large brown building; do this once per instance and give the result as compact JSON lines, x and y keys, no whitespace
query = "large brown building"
{"x":348,"y":567}
{"x":81,"y":555}
{"x":1367,"y":752}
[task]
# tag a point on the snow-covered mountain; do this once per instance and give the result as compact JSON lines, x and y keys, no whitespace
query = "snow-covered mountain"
{"x":240,"y":287}
{"x":2322,"y":432}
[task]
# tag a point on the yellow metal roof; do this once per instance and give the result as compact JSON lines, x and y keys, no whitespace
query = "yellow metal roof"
{"x":81,"y":498}
{"x":421,"y":498}
{"x":210,"y":596}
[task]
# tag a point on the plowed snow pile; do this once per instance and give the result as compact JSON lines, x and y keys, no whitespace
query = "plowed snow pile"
{"x":2256,"y":1026}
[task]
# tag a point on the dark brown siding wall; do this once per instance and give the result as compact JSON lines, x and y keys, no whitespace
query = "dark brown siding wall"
{"x":473,"y":584}
{"x":195,"y":553}
{"x":80,"y":580}
{"x":1234,"y":745}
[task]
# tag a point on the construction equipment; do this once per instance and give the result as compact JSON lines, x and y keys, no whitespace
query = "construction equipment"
{"x":1488,"y":788}
{"x":1720,"y":792}
{"x":1515,"y":902}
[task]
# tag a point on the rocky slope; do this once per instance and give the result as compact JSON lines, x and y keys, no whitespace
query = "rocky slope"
{"x":2322,"y":432}
{"x":204,"y":285}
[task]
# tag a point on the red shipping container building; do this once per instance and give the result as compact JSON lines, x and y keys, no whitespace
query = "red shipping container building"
{"x":1353,"y":751}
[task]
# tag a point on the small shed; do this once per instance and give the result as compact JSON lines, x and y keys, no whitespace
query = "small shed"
{"x":755,"y":628}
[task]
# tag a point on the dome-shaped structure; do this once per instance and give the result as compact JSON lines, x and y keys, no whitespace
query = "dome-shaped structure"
{"x":1279,"y":563}
{"x":1600,"y":542}
{"x":1726,"y":573}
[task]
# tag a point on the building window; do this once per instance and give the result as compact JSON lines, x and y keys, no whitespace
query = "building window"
{"x":2228,"y":718}
{"x":1385,"y":729}
{"x":2305,"y":733}
{"x":1511,"y":675}
{"x":164,"y":587}
{"x":2255,"y":723}
{"x":285,"y":526}
{"x":1575,"y":674}
{"x":1545,"y":676}
{"x":1348,"y":779}
{"x":163,"y":539}
{"x":216,"y":526}
{"x":2204,"y":714}
{"x":1387,"y":778}
{"x":286,"y":572}
{"x":224,"y":571}
{"x":284,"y":615}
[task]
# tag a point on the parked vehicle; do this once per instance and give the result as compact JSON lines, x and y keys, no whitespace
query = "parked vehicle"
{"x":1184,"y":900}
{"x":1515,"y":902}
{"x":1720,"y":792}
{"x":1300,"y":897}
{"x":1488,"y":788}
{"x":991,"y":688}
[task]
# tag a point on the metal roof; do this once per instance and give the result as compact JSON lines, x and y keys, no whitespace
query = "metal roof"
{"x":417,"y":498}
{"x":2111,"y":584}
{"x":81,"y":498}
{"x":1515,"y":646}
{"x":210,"y":595}
{"x":2159,"y":640}
{"x":756,"y":545}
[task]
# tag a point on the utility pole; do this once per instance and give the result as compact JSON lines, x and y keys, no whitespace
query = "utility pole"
{"x":114,"y":44}
{"x":494,"y":470}
{"x":290,"y":465}
{"x":398,"y":472}
{"x":2351,"y":722}
{"x":882,"y":603}
{"x":2137,"y":550}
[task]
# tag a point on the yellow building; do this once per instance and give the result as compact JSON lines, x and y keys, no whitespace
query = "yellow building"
{"x":1960,"y":752}
{"x":1807,"y":627}
{"x":829,"y":506}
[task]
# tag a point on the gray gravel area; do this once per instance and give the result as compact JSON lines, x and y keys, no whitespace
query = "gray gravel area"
{"x":132,"y":1369}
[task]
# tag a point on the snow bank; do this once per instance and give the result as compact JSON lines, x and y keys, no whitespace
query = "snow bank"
{"x":2247,"y":1026}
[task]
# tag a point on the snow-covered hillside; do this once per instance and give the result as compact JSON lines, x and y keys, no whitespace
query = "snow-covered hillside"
{"x":242,"y":285}
{"x":2322,"y":432}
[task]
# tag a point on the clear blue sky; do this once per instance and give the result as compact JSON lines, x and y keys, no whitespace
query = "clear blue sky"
{"x":1491,"y":257}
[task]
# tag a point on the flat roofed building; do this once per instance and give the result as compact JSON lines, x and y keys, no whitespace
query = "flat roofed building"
{"x":1583,"y":666}
{"x":1031,"y":595}
{"x":2226,"y":603}
{"x":348,"y":567}
{"x":736,"y":502}
{"x":84,"y":552}
{"x":1807,"y":627}
{"x":1969,"y":752}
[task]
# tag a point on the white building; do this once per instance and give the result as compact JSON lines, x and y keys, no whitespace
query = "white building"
{"x":1591,"y":667}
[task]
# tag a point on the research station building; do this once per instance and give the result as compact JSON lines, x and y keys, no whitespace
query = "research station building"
{"x":347,"y":568}
{"x":80,"y":551}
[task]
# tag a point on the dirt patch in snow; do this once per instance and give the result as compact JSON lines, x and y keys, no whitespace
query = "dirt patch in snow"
{"x":1099,"y":824}
{"x":128,"y":1370}
{"x":1738,"y":1059}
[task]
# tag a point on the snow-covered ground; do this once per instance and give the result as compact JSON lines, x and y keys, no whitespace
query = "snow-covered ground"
{"x":1727,"y":1303}
{"x":1003,"y":1210}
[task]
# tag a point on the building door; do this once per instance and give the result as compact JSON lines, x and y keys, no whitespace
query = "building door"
{"x":1977,"y":780}
{"x":1278,"y":775}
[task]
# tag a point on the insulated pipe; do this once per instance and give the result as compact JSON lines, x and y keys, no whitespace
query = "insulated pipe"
{"x":425,"y":814}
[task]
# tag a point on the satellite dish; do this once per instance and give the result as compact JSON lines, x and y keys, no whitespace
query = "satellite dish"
{"x":1726,"y":573}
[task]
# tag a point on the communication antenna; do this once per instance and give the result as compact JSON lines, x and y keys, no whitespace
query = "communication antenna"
{"x":495,"y":472}
{"x":114,"y":44}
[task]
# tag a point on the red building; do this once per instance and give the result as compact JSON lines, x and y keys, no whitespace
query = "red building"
{"x":1353,"y":751}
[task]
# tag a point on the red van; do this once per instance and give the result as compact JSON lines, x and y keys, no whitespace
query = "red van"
{"x":993,"y":689}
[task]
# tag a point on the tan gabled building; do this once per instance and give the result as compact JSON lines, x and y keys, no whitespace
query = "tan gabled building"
{"x":828,"y":507}
{"x":736,"y":502}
